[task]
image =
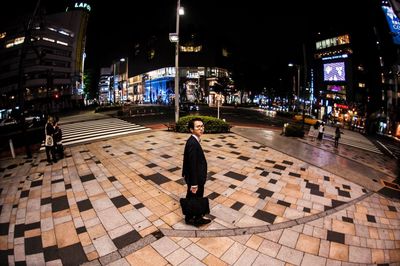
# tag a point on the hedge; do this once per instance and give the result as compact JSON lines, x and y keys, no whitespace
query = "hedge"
{"x":211,"y":124}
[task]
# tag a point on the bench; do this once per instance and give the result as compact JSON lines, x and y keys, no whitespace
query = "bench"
{"x":170,"y":126}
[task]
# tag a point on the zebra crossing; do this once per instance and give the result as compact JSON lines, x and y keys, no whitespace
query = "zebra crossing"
{"x":352,"y":139}
{"x":80,"y":132}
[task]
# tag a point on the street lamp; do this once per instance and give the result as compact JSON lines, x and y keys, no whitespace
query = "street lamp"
{"x":174,"y":37}
{"x":298,"y":90}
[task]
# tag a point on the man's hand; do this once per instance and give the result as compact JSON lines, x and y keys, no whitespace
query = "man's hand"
{"x":193,"y":189}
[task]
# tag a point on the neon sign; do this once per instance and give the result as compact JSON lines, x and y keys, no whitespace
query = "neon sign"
{"x":83,"y":5}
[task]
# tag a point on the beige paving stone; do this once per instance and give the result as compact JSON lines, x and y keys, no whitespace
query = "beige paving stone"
{"x":96,"y":231}
{"x":233,"y":253}
{"x":378,"y":256}
{"x":394,"y":255}
{"x":146,"y":256}
{"x":308,"y":244}
{"x":92,"y":255}
{"x":343,"y":227}
{"x":373,"y":232}
{"x":247,"y":258}
{"x":290,"y":255}
{"x":216,"y":246}
{"x":177,"y":256}
{"x":274,"y":208}
{"x":164,"y":246}
{"x":254,"y":242}
{"x":269,"y":248}
{"x":339,"y":251}
{"x":359,"y":255}
{"x":66,"y":234}
{"x":212,"y":260}
{"x":309,"y":259}
{"x":85,"y":239}
{"x":289,"y":238}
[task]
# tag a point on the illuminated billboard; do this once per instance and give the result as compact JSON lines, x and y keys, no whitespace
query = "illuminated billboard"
{"x":334,"y":71}
{"x":393,"y":21}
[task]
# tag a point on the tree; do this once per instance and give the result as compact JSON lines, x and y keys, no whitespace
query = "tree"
{"x":90,"y":89}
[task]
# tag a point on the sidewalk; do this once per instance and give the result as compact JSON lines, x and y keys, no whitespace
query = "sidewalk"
{"x":116,"y":202}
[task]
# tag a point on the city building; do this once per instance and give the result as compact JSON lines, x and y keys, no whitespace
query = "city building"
{"x":42,"y":60}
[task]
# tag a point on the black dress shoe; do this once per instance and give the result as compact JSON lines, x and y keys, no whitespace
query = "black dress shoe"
{"x":202,"y":221}
{"x":190,"y":221}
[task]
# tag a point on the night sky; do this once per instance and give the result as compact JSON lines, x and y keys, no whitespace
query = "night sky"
{"x":264,"y":34}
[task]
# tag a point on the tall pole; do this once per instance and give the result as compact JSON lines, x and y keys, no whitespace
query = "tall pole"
{"x":178,"y":6}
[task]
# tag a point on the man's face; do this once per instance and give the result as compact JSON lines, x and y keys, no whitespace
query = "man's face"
{"x":198,"y":129}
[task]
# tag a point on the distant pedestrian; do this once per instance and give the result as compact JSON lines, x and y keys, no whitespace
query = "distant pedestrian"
{"x":337,"y":136}
{"x":321,"y":130}
{"x":49,"y":140}
{"x":58,"y":146}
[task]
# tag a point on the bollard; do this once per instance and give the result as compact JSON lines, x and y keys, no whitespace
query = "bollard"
{"x":12,"y":148}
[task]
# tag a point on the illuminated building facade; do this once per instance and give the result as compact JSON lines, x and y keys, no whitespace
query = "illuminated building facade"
{"x":42,"y":66}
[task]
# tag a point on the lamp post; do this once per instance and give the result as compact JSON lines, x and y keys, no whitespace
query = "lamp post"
{"x":298,"y":90}
{"x":174,"y":37}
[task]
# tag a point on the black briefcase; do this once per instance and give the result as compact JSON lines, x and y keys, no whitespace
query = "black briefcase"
{"x":195,"y":206}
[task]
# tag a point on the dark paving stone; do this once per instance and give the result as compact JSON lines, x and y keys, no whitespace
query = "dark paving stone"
{"x":232,"y":186}
{"x":59,"y":204}
{"x":166,"y":156}
{"x":84,"y":205}
{"x":33,"y":245}
{"x":11,"y":166}
{"x":111,"y":178}
{"x":237,"y":205}
{"x":269,"y":161}
{"x":158,"y":234}
{"x":211,"y":178}
{"x":51,"y":253}
{"x":174,"y":169}
{"x":97,"y":162}
{"x":259,"y":168}
{"x":347,"y":219}
{"x":213,"y":195}
{"x":68,"y":186}
{"x":284,"y":203}
{"x":327,"y":208}
{"x":210,"y":174}
{"x":306,"y":209}
{"x":19,"y":230}
{"x":128,"y":153}
{"x":157,"y":178}
{"x":217,"y":145}
{"x":120,"y":201}
{"x":4,"y":229}
{"x":151,"y":165}
{"x":126,"y":239}
{"x":316,"y":192}
{"x":265,"y":216}
{"x":371,"y":218}
{"x":264,"y":193}
{"x":32,"y":226}
{"x":72,"y":255}
{"x":392,"y":208}
{"x":45,"y":201}
{"x":272,"y":181}
{"x":391,"y":193}
{"x":181,"y":181}
{"x":235,"y":152}
{"x":343,"y":193}
{"x":81,"y":230}
{"x":138,"y":206}
{"x":264,"y":173}
{"x":287,"y":162}
{"x":36,"y":183}
{"x":346,"y":187}
{"x":364,"y":190}
{"x":86,"y":178}
{"x":4,"y":257}
{"x":57,"y":181}
{"x":235,"y":176}
{"x":294,"y":174}
{"x":336,"y":203}
{"x":221,"y":158}
{"x":15,"y":206}
{"x":20,"y":263}
{"x":335,"y":237}
{"x":280,"y":167}
{"x":326,"y":178}
{"x":24,"y":194}
{"x":244,"y":158}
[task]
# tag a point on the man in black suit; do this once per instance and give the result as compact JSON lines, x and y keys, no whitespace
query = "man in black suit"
{"x":195,"y":168}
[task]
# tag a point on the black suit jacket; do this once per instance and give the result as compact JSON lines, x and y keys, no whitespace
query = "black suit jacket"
{"x":194,"y":163}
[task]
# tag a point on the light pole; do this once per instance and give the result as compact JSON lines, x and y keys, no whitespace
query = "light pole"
{"x":175,"y":38}
{"x":298,"y":90}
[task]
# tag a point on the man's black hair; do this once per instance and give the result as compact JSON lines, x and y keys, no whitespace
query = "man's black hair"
{"x":191,"y":122}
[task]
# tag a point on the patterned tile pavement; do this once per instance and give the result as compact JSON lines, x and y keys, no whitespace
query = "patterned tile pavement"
{"x":115,"y":202}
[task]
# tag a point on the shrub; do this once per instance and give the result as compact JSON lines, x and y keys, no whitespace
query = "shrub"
{"x":293,"y":130}
{"x":211,"y":124}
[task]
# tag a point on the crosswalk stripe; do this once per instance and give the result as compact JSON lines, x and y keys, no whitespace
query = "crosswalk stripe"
{"x":79,"y":132}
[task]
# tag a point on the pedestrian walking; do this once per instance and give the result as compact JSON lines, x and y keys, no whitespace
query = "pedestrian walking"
{"x":337,"y":136}
{"x":321,"y":130}
{"x":194,"y":168}
{"x":58,"y":146}
{"x":49,"y":141}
